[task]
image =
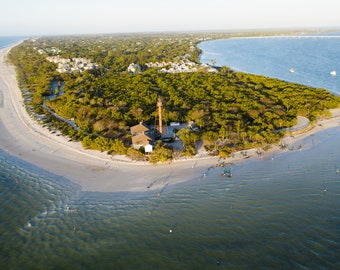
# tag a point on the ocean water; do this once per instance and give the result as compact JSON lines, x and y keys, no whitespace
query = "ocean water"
{"x":7,"y":41}
{"x":280,"y":212}
{"x":312,"y":57}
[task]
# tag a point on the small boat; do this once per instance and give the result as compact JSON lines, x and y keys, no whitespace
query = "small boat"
{"x":291,"y":70}
{"x":333,"y":73}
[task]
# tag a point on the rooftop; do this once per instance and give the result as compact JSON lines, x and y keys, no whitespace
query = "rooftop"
{"x":139,"y":129}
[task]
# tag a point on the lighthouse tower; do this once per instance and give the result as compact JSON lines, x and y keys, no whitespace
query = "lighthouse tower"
{"x":160,"y":105}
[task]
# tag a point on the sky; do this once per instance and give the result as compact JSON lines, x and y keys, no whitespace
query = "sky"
{"x":65,"y":17}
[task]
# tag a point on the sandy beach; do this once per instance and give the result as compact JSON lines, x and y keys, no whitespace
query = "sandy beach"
{"x":22,"y":137}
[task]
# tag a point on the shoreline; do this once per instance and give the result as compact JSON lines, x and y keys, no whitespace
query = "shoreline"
{"x":24,"y":138}
{"x":304,"y":80}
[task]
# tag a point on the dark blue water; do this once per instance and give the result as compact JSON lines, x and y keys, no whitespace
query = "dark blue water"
{"x":281,"y":212}
{"x":311,"y":57}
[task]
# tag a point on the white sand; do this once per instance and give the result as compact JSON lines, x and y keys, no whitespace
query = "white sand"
{"x":23,"y":137}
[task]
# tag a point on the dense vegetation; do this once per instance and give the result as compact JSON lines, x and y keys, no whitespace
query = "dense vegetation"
{"x":232,"y":110}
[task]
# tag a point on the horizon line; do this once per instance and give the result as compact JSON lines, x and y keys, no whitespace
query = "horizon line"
{"x":233,"y":30}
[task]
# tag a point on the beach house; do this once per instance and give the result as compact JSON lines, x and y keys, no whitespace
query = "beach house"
{"x":141,"y":137}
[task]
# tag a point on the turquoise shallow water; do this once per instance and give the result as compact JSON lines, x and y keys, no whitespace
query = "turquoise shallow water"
{"x":280,"y":212}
